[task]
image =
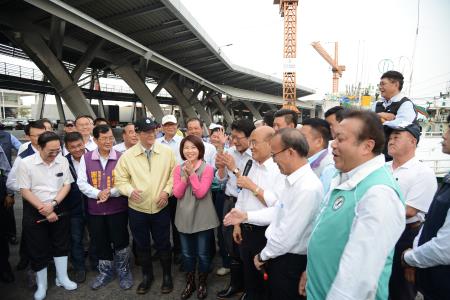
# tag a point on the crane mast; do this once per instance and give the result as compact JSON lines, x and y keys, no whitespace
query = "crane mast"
{"x":335,"y":67}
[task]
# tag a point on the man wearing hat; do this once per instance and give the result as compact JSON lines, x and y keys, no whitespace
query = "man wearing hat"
{"x":418,"y":185}
{"x":172,"y":140}
{"x":144,"y":175}
{"x":69,"y":126}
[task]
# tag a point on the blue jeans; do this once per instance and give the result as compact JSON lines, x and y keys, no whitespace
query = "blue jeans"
{"x":77,"y":229}
{"x":219,"y":199}
{"x":195,"y":245}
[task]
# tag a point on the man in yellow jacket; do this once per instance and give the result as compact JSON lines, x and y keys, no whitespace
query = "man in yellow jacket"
{"x":144,"y":175}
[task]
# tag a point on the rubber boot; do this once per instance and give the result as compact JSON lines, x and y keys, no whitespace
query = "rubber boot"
{"x":202,"y":291}
{"x":147,"y":272}
{"x":62,"y":279}
{"x":122,"y":261}
{"x":190,"y":286}
{"x":236,"y":281}
{"x":166,"y":264}
{"x":41,"y":281}
{"x":105,"y":276}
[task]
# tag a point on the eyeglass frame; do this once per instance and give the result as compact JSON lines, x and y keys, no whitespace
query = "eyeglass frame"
{"x":275,"y":154}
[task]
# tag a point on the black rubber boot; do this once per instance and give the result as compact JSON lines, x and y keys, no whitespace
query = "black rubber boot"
{"x":147,"y":272}
{"x":166,"y":264}
{"x":236,"y":281}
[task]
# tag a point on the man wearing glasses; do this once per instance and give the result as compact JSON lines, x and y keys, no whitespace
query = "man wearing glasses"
{"x":230,"y":165}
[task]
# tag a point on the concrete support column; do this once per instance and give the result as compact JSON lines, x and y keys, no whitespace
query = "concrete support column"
{"x":40,"y":106}
{"x":192,"y":99}
{"x":59,"y":105}
{"x":140,"y":88}
{"x":35,"y":47}
{"x":252,"y":109}
{"x":101,"y":109}
{"x":183,"y":103}
{"x":226,"y":114}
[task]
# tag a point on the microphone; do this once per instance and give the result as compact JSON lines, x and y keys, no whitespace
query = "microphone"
{"x":45,"y":219}
{"x":247,"y":168}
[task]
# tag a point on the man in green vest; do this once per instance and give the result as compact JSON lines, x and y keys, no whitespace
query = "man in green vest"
{"x":361,"y":219}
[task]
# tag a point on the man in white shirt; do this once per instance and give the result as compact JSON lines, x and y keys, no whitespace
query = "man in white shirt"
{"x":260,"y":189}
{"x":291,"y":220}
{"x":230,"y":165}
{"x":129,"y":137}
{"x":431,"y":252}
{"x":195,"y":127}
{"x":350,"y":249}
{"x":284,"y":118}
{"x":418,"y":185}
{"x":85,"y":125}
{"x":44,"y":180}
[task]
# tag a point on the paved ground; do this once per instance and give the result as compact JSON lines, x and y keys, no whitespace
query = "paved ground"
{"x":20,"y":290}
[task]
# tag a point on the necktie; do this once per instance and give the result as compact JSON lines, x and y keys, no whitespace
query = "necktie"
{"x":148,"y":153}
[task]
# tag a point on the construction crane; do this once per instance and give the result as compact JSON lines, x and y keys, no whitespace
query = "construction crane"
{"x":335,"y":67}
{"x":288,"y":10}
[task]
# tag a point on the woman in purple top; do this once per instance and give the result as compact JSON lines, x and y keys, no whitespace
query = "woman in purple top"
{"x":195,"y":216}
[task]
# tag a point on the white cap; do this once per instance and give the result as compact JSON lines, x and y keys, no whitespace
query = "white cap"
{"x":169,"y":119}
{"x":214,"y":126}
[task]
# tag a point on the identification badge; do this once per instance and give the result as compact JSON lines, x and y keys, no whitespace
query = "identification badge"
{"x":338,"y":202}
{"x":59,"y":174}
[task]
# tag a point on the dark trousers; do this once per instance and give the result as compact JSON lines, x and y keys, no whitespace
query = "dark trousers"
{"x":284,"y":276}
{"x":45,"y":240}
{"x":176,"y":248}
{"x":219,"y":199}
{"x":78,"y":223}
{"x":253,"y":241}
{"x":109,"y":233}
{"x":399,"y":288}
{"x":10,"y":222}
{"x":158,"y":225}
{"x":231,"y":247}
{"x":196,"y":245}
{"x":4,"y":245}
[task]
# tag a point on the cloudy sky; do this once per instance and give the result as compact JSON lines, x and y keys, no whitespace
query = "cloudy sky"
{"x":372,"y":36}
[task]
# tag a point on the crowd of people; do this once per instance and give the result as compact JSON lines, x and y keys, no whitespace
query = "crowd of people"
{"x":333,"y":208}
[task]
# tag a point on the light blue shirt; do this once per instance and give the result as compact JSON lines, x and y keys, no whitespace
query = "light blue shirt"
{"x":405,"y":113}
{"x":15,"y":142}
{"x":327,"y":174}
{"x":174,"y":144}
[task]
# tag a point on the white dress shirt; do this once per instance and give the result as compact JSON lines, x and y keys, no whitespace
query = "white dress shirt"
{"x":267,"y":177}
{"x":174,"y":144}
{"x":90,"y":145}
{"x":210,"y":154}
{"x":435,"y":252}
{"x":406,"y":112}
{"x":240,"y":160}
{"x":120,"y":147}
{"x":44,"y":180}
{"x":418,"y":184}
{"x":295,"y":212}
{"x":82,"y":181}
{"x":11,"y":182}
{"x":379,"y":223}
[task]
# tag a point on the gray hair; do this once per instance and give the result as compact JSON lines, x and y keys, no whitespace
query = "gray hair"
{"x":293,"y":138}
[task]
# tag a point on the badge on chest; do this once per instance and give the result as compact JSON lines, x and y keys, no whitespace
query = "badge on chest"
{"x":338,"y":202}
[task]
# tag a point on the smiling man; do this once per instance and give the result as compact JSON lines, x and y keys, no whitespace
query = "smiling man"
{"x":351,"y":246}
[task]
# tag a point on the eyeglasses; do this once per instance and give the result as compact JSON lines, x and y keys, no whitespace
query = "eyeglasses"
{"x":54,"y":152}
{"x":253,"y":143}
{"x":233,"y":137}
{"x":275,"y":154}
{"x":104,"y":139}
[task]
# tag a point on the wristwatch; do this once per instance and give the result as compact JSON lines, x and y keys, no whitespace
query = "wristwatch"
{"x":236,"y":171}
{"x":256,"y":191}
{"x":260,"y":259}
{"x":54,"y":203}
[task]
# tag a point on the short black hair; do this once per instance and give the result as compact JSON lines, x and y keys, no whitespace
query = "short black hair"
{"x":372,"y":128}
{"x":268,"y":118}
{"x":96,"y":121}
{"x":243,"y":125}
{"x":39,"y":124}
{"x":45,"y":120}
{"x":197,"y":142}
{"x":215,"y":129}
{"x":194,"y":119}
{"x":289,"y":115}
{"x":394,"y":76}
{"x":72,"y":137}
{"x":46,"y":137}
{"x":320,"y":126}
{"x":293,"y":138}
{"x":100,"y":129}
{"x":128,"y":124}
{"x":335,"y":110}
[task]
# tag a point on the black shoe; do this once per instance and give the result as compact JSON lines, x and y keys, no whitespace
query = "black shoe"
{"x":145,"y":285}
{"x":79,"y":276}
{"x":243,"y":296}
{"x":236,"y":279}
{"x":166,"y":264}
{"x":23,"y":264}
{"x":13,"y":240}
{"x":7,"y":275}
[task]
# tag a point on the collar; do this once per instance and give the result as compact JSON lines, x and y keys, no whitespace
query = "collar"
{"x":138,"y":149}
{"x":355,"y":176}
{"x":38,"y":160}
{"x":316,"y":156}
{"x":266,"y":164}
{"x":174,"y":139}
{"x":395,"y":98}
{"x":112,"y":155}
{"x":247,"y":152}
{"x":298,"y":174}
{"x":406,"y":165}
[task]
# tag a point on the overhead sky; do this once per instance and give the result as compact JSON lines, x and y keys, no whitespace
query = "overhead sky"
{"x":373,"y":36}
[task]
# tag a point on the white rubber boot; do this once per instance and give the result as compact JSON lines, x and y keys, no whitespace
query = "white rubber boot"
{"x":61,"y":274}
{"x":41,"y":282}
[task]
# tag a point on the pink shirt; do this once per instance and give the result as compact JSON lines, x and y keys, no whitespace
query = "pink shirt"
{"x":200,"y":186}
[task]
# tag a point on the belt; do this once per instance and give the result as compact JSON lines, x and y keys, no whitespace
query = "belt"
{"x":250,"y":227}
{"x":414,"y":225}
{"x":234,"y":199}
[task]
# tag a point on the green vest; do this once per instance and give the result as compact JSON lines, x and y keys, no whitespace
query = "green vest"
{"x":331,"y":233}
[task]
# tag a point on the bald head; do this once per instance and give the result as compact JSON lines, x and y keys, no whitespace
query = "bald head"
{"x":260,"y":143}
